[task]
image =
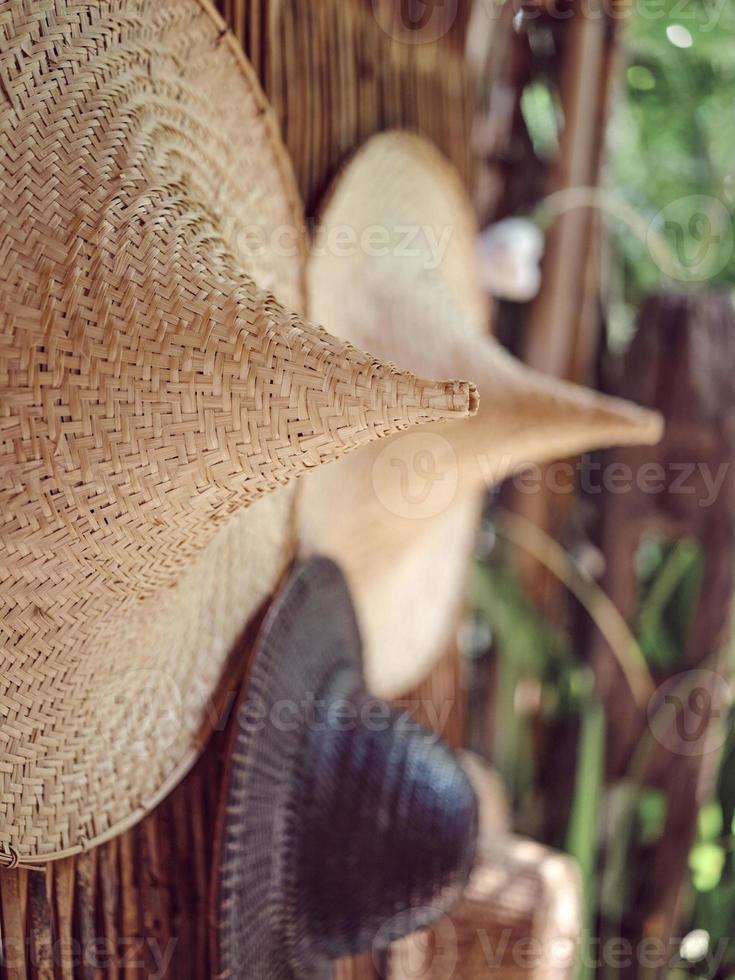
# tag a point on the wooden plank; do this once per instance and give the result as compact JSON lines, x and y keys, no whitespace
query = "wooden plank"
{"x":130,"y":930}
{"x":13,"y":905}
{"x":550,"y":337}
{"x":110,"y":903}
{"x":39,"y":918}
{"x":86,"y":900}
{"x":356,"y":968}
{"x":63,"y":892}
{"x":696,"y":395}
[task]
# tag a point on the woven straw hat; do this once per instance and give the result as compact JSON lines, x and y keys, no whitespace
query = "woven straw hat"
{"x":394,"y":269}
{"x":343,"y":824}
{"x":150,"y":391}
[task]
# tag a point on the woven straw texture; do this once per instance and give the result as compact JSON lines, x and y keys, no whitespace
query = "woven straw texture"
{"x":414,"y":295}
{"x":150,"y":390}
{"x":142,"y":896}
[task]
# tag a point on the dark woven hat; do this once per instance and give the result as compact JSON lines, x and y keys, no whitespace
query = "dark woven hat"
{"x":343,"y":823}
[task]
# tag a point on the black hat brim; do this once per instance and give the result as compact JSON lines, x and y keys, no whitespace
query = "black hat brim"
{"x":309,"y":636}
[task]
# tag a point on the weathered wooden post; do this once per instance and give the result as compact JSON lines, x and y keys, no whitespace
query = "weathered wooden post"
{"x":682,"y":362}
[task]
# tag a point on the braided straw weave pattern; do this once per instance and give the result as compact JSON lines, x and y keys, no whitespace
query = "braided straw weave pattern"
{"x":149,"y":391}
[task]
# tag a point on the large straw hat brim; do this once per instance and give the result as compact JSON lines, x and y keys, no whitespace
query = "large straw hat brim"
{"x":98,"y":725}
{"x":405,"y":282}
{"x":153,"y":387}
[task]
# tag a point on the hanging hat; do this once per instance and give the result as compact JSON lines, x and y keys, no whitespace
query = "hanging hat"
{"x":150,"y":391}
{"x":343,"y":824}
{"x":394,"y":268}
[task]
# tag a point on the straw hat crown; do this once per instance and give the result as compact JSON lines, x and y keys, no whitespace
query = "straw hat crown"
{"x":150,"y":386}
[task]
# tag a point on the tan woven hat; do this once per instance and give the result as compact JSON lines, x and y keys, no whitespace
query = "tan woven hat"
{"x":393,"y":268}
{"x":150,"y":391}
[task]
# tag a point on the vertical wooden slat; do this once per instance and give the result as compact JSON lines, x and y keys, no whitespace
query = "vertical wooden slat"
{"x":183,"y":883}
{"x":201,"y":859}
{"x":550,"y":336}
{"x":86,"y":897}
{"x":109,"y":886}
{"x":696,"y":394}
{"x":129,"y":904}
{"x":304,"y":48}
{"x":39,"y":915}
{"x":63,"y":893}
{"x":154,"y":889}
{"x":13,"y":902}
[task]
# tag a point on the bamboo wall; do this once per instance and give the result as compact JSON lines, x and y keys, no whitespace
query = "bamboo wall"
{"x":336,"y":73}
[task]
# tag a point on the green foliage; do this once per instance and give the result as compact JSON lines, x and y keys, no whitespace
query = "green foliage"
{"x":709,"y":821}
{"x":611,"y":830}
{"x":712,"y":861}
{"x":542,"y":118}
{"x":669,"y":576}
{"x":706,"y":863}
{"x":523,"y":634}
{"x":584,"y":820}
{"x":651,"y":813}
{"x":672,"y":134}
{"x":528,"y":648}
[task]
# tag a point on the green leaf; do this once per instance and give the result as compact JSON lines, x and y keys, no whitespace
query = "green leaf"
{"x":641,"y":77}
{"x":706,"y":862}
{"x":585,"y":815}
{"x":670,"y":573}
{"x":670,"y":139}
{"x":709,"y":821}
{"x":652,"y":807}
{"x":542,"y":119}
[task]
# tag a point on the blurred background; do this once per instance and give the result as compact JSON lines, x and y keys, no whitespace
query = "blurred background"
{"x":598,"y":649}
